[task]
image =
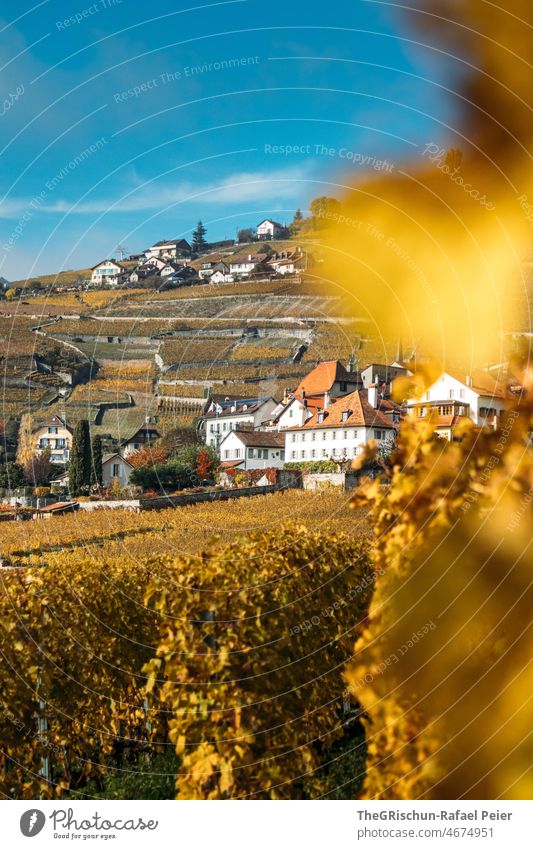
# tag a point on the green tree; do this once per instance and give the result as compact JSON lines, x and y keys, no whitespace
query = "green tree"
{"x":245,"y":235}
{"x":198,"y":240}
{"x":11,"y":475}
{"x":80,"y":459}
{"x":97,"y":474}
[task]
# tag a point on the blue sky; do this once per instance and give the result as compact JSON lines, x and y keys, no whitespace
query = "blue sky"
{"x":123,"y":122}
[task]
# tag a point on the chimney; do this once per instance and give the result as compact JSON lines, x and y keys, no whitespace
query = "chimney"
{"x":469,"y":380}
{"x":373,"y":395}
{"x":327,"y":399}
{"x":249,"y":257}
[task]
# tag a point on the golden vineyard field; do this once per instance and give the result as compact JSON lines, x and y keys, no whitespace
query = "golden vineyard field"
{"x":107,"y":535}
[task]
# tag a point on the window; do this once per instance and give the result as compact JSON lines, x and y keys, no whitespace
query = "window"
{"x":313,"y":436}
{"x":320,"y":418}
{"x":313,"y":453}
{"x":462,"y":393}
{"x":293,"y":455}
{"x":52,"y":430}
{"x":345,"y":415}
{"x":291,"y":413}
{"x":324,"y":452}
{"x":323,"y":434}
{"x":354,"y":451}
{"x":293,"y":437}
{"x":343,"y":385}
{"x":334,"y":435}
{"x":345,"y":434}
{"x":226,"y":453}
{"x":379,"y":434}
{"x":211,"y":428}
{"x":304,"y":437}
{"x":282,"y":455}
{"x":451,"y":393}
{"x":302,"y":455}
{"x":251,"y":452}
{"x":356,"y":434}
{"x":116,"y":470}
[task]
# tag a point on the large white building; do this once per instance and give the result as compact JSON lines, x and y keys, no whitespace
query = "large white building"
{"x":247,"y":449}
{"x":327,"y":380}
{"x":451,"y":397}
{"x":343,"y":427}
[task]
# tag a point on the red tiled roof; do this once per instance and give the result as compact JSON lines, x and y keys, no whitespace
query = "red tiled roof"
{"x":322,"y":378}
{"x":361,"y":414}
{"x":231,"y":464}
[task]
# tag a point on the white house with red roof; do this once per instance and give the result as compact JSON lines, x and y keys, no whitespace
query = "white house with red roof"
{"x":269,"y":229}
{"x":327,"y":380}
{"x":343,"y":427}
{"x":453,"y":397}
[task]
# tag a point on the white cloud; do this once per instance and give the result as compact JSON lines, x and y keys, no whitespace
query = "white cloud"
{"x":238,"y":188}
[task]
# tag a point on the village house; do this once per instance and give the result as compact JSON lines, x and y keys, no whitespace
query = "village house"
{"x":247,"y":449}
{"x":245,"y":265}
{"x":288,"y":262}
{"x":269,"y":229}
{"x":115,"y":469}
{"x":327,"y":380}
{"x":145,"y":436}
{"x":229,"y":414}
{"x":54,"y":437}
{"x":169,"y":249}
{"x":341,"y":429}
{"x":382,"y":375}
{"x":220,"y":273}
{"x":106,"y":271}
{"x":453,"y":397}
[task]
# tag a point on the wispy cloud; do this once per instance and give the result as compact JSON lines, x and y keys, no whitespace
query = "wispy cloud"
{"x":242,"y":187}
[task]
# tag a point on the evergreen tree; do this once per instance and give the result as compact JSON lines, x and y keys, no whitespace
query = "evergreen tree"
{"x":198,"y":241}
{"x":96,"y":464}
{"x":80,"y":458}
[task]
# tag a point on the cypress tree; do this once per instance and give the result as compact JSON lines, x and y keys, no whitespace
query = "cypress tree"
{"x":79,"y":474}
{"x":96,"y":464}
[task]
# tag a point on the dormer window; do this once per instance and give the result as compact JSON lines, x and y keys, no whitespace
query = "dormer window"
{"x":345,"y":415}
{"x":320,"y":418}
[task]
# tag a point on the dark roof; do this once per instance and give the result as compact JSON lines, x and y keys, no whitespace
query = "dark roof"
{"x":271,"y":221}
{"x":143,"y":430}
{"x":252,"y":404}
{"x":260,"y":438}
{"x":178,"y":243}
{"x":54,"y":421}
{"x":106,"y":260}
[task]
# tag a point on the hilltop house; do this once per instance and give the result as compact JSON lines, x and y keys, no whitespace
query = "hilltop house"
{"x":341,"y":428}
{"x":145,"y":436}
{"x":55,"y":437}
{"x":170,"y":249}
{"x":452,"y":397}
{"x":229,"y":414}
{"x":243,"y":265}
{"x":269,"y":229}
{"x":106,"y":271}
{"x":247,"y":449}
